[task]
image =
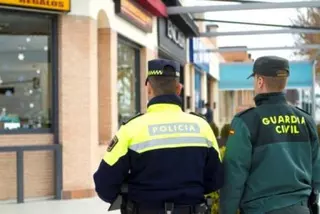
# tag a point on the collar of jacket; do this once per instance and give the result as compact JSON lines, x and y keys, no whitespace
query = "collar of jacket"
{"x":270,"y":98}
{"x":165,"y":103}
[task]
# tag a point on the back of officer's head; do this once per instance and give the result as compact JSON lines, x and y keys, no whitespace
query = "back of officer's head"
{"x":270,"y":74}
{"x":163,"y":85}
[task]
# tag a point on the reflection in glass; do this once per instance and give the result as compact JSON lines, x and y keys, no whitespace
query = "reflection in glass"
{"x":25,"y":93}
{"x":126,"y":82}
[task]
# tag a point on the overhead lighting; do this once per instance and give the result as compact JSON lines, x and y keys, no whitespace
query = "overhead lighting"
{"x":38,"y":71}
{"x":21,"y":56}
{"x":28,"y":39}
{"x":45,"y":48}
{"x":1,"y":81}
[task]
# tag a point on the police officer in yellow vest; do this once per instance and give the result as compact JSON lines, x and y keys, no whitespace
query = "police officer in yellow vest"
{"x":169,"y":158}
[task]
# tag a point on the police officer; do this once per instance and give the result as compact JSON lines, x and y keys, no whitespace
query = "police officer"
{"x":272,"y":153}
{"x":172,"y":156}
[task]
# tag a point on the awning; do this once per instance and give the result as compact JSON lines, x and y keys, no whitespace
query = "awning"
{"x":233,"y":76}
{"x":156,"y":7}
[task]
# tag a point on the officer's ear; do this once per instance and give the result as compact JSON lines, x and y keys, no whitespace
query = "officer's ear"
{"x":260,"y":81}
{"x":149,"y":88}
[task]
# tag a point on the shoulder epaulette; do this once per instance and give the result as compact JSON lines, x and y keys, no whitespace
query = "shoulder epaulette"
{"x":197,"y":114}
{"x":131,"y":118}
{"x":244,"y":111}
{"x":303,"y":110}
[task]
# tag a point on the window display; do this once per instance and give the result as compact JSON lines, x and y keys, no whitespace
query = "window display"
{"x":128,"y":81}
{"x":25,"y":75}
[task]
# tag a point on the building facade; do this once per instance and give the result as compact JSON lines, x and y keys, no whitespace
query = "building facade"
{"x":206,"y":73}
{"x":70,"y":72}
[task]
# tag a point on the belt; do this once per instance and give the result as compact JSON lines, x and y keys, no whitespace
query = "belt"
{"x":169,"y":208}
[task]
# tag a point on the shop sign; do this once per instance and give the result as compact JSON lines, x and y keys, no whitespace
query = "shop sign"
{"x":175,"y":34}
{"x":54,"y":5}
{"x":134,"y":14}
{"x":172,"y":40}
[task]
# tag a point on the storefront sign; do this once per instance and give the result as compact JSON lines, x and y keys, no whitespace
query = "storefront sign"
{"x":54,"y":5}
{"x":134,"y":14}
{"x":172,"y":40}
{"x":175,"y":34}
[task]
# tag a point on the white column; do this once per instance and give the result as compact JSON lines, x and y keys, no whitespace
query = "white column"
{"x":204,"y":86}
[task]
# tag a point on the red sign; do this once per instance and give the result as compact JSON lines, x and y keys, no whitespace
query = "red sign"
{"x":135,"y":14}
{"x":156,"y":7}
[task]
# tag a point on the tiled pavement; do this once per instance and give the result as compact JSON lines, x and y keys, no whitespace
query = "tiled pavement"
{"x":83,"y":206}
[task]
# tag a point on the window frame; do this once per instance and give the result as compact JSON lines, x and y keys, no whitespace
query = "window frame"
{"x":53,"y":61}
{"x":137,"y":51}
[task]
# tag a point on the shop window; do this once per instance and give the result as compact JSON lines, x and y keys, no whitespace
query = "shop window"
{"x":25,"y":72}
{"x":128,"y":80}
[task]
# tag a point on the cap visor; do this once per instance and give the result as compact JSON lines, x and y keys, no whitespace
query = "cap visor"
{"x":250,"y":76}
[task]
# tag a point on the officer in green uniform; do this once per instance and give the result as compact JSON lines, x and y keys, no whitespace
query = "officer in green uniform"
{"x":272,"y":154}
{"x":169,"y":158}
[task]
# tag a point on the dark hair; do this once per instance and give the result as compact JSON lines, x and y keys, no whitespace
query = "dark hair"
{"x":275,"y":84}
{"x":207,"y":105}
{"x":162,"y":85}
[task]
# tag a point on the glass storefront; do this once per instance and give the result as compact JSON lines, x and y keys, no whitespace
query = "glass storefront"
{"x":128,"y":80}
{"x":25,"y":71}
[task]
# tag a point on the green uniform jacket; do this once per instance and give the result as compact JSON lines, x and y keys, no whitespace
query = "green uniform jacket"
{"x":272,"y":157}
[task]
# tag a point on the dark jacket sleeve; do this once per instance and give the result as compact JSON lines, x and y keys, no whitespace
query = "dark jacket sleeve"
{"x":113,"y":168}
{"x":237,"y":163}
{"x":213,"y":172}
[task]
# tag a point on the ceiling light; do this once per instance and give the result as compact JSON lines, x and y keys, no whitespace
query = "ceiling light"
{"x":31,"y":105}
{"x":21,"y":56}
{"x":38,"y":71}
{"x":45,"y":48}
{"x":1,"y":81}
{"x":28,"y":39}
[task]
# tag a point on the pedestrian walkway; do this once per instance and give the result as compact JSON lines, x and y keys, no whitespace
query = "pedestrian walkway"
{"x":82,"y":206}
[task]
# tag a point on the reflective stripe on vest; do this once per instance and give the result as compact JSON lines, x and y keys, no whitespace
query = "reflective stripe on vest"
{"x":171,"y":143}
